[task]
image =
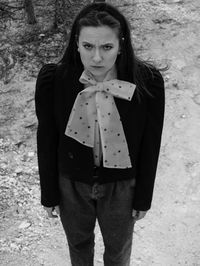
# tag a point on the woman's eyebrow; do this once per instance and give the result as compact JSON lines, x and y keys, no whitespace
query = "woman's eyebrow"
{"x":86,"y":42}
{"x":107,"y":43}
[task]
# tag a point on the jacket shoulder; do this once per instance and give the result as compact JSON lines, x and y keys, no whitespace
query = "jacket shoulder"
{"x":153,"y":80}
{"x":44,"y":86}
{"x":46,"y":75}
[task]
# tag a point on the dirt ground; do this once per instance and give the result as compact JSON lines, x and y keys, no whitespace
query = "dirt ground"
{"x":167,"y":31}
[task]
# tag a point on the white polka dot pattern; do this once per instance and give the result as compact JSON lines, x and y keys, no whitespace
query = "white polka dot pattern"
{"x":96,"y":104}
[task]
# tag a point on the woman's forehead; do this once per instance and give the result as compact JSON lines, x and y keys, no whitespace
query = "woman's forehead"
{"x":101,"y":33}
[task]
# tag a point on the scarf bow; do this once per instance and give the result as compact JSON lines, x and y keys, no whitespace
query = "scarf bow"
{"x":96,"y":104}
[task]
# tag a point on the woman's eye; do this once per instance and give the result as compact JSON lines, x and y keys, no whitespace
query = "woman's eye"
{"x":107,"y":47}
{"x":87,"y":46}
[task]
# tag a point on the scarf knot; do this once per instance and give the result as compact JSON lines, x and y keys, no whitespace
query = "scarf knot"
{"x":95,"y":104}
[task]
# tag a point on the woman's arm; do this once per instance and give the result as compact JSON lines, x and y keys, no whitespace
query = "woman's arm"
{"x":47,"y":136}
{"x":151,"y":140}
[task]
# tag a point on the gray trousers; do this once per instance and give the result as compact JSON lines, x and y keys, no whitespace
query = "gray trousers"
{"x":111,"y":205}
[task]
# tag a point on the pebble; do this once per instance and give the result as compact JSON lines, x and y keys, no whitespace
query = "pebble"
{"x":14,"y":246}
{"x":18,"y":170}
{"x":24,"y":225}
{"x":42,"y":35}
{"x":31,"y":154}
{"x":183,"y":116}
{"x":166,"y":78}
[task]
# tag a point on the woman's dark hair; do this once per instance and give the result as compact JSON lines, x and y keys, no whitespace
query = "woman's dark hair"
{"x":103,"y":14}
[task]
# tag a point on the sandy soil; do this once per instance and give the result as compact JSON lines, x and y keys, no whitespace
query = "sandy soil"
{"x":167,"y":31}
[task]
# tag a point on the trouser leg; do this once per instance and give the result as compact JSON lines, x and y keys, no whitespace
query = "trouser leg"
{"x":114,"y":213}
{"x":78,"y":216}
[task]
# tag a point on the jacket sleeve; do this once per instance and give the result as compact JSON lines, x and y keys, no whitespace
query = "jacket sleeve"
{"x":151,"y":141}
{"x":47,"y":136}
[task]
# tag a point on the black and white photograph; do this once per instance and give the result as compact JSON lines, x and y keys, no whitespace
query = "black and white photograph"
{"x":99,"y":133}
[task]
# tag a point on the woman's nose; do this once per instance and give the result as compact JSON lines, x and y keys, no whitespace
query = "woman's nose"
{"x":97,"y":57}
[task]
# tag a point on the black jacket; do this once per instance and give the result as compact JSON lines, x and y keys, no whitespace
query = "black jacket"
{"x":58,"y":154}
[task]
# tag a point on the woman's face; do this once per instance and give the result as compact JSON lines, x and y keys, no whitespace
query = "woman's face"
{"x":98,"y":48}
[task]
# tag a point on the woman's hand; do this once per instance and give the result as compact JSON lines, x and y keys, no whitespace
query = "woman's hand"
{"x":137,"y":215}
{"x":50,"y":211}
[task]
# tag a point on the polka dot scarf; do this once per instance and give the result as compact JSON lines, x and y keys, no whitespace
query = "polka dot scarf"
{"x":95,"y":104}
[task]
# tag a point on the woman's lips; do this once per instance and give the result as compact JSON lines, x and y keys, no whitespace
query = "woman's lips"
{"x":97,"y":66}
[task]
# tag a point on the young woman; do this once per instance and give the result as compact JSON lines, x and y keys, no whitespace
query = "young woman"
{"x":100,"y":117}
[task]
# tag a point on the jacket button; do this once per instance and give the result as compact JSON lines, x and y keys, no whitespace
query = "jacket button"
{"x":70,"y":155}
